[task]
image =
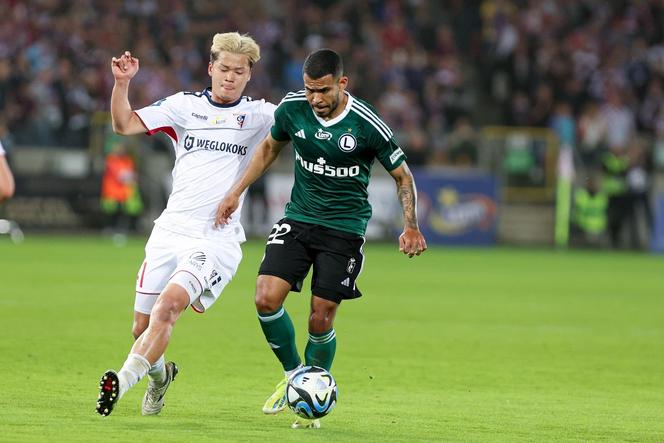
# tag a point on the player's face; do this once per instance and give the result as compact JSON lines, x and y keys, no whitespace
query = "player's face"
{"x":325,"y":94}
{"x":230,"y":74}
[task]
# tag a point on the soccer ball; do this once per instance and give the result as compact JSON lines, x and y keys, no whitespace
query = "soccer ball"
{"x":311,"y":392}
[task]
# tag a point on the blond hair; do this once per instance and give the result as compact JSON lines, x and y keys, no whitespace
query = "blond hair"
{"x":237,"y":44}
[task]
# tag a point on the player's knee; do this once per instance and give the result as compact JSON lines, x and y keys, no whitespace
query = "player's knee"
{"x":265,"y":300}
{"x":265,"y":303}
{"x":320,"y":321}
{"x":138,"y":328}
{"x":164,"y":313}
{"x":166,"y":310}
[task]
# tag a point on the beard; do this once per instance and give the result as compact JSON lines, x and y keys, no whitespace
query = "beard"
{"x":328,"y":110}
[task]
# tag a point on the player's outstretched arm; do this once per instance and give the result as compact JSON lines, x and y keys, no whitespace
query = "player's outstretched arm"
{"x":125,"y":121}
{"x":266,"y":152}
{"x":411,"y":240}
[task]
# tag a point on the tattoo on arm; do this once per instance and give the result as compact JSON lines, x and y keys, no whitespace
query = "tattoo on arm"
{"x":407,"y":198}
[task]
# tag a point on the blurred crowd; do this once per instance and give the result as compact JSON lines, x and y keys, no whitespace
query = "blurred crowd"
{"x":411,"y":59}
{"x":599,"y":64}
{"x":592,"y":71}
{"x":435,"y":69}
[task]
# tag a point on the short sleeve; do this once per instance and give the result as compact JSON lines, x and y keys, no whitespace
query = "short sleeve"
{"x":279,"y":129}
{"x":163,"y":115}
{"x":2,"y":149}
{"x":267,"y":111}
{"x":388,"y":152}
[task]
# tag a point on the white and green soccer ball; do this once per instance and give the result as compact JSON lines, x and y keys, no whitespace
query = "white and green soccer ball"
{"x":311,"y":392}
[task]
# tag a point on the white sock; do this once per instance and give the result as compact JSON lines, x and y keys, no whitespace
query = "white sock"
{"x":292,"y":371}
{"x":157,"y":372}
{"x":134,"y":369}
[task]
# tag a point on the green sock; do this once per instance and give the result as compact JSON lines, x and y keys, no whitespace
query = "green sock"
{"x":280,"y":335}
{"x":320,"y":349}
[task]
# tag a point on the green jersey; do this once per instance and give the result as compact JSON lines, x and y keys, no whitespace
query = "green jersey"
{"x":333,"y":161}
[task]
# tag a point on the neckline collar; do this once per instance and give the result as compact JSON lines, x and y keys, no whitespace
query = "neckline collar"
{"x":338,"y":118}
{"x":206,"y":93}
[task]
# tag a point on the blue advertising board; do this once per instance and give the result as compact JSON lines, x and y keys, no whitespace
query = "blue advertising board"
{"x":657,"y":243}
{"x":456,"y":208}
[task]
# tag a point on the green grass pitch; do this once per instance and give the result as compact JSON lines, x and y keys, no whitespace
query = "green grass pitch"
{"x":457,"y":345}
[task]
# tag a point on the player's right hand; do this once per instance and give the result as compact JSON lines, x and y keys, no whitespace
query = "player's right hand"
{"x":124,"y":67}
{"x":227,"y":206}
{"x":412,"y":242}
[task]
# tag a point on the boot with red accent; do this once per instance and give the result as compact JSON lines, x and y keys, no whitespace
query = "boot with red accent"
{"x":109,"y":392}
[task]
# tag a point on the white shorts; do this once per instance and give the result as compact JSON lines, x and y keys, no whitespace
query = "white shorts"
{"x":203,"y":267}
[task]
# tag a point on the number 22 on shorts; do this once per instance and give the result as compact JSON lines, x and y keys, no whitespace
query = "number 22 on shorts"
{"x":278,"y":231}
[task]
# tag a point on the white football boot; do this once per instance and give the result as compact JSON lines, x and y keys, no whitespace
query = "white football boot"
{"x":153,"y":400}
{"x":303,"y":423}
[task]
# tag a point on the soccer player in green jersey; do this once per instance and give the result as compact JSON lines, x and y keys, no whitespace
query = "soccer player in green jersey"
{"x":336,"y":138}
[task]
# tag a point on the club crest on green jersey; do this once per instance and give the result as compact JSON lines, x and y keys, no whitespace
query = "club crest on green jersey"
{"x":347,"y":142}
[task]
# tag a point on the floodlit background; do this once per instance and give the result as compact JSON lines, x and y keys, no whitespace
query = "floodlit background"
{"x":506,"y":109}
{"x":535,"y":130}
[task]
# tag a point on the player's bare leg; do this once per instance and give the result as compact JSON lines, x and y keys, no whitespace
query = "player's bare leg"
{"x":152,"y":344}
{"x":169,"y":306}
{"x":278,"y":328}
{"x":141,"y":322}
{"x":147,"y":350}
{"x":160,"y":375}
{"x":157,"y":372}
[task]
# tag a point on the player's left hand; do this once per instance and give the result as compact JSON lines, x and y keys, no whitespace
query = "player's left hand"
{"x":412,"y":242}
{"x":225,"y":208}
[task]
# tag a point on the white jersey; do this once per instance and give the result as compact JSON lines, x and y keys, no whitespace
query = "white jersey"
{"x":2,"y":150}
{"x":213,"y":146}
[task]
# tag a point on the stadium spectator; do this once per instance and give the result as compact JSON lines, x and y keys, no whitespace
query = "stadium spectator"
{"x":563,"y":124}
{"x":638,"y":189}
{"x":542,"y":107}
{"x":518,"y":111}
{"x":589,"y":214}
{"x":619,"y":121}
{"x":592,"y":127}
{"x":416,"y":141}
{"x":120,"y":198}
{"x":615,"y":165}
{"x":651,"y":106}
{"x":462,"y":144}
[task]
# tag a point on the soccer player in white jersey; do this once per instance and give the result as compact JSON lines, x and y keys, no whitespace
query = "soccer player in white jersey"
{"x":6,"y":177}
{"x":188,"y":261}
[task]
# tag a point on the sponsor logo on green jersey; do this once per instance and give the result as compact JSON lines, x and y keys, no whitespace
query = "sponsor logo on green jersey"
{"x":323,"y":135}
{"x":321,"y":167}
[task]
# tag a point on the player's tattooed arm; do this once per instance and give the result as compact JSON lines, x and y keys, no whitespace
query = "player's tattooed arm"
{"x":406,"y":194}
